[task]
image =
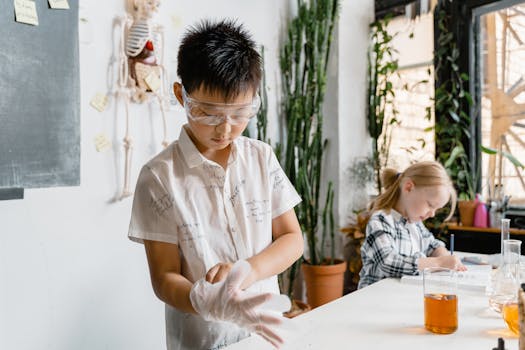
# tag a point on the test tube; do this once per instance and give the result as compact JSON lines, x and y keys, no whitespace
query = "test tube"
{"x":505,"y":233}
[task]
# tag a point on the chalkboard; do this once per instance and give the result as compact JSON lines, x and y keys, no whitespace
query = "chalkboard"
{"x":39,"y":98}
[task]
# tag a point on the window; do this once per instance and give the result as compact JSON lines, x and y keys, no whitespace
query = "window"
{"x":411,"y":139}
{"x":502,"y":79}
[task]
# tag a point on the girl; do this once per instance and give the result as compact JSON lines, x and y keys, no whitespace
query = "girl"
{"x":397,"y":243}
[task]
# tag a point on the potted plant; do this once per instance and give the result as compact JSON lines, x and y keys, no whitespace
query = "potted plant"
{"x":355,"y":235}
{"x":458,"y":164}
{"x":303,"y":62}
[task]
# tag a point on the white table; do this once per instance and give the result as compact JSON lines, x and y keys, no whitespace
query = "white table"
{"x":389,"y":315}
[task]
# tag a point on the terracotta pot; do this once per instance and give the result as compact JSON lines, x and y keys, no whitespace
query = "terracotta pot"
{"x":466,"y":212}
{"x":298,"y":308}
{"x":324,"y":283}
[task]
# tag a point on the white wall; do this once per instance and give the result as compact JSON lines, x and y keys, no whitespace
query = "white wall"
{"x":69,"y":277}
{"x":353,"y":140}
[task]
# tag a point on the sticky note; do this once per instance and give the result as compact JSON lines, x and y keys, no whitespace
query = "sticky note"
{"x":176,"y":21}
{"x":153,"y":81}
{"x":25,"y":12}
{"x":102,"y":143}
{"x":59,"y":4}
{"x":99,"y":102}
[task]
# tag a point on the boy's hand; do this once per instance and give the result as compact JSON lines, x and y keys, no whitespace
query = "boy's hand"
{"x":218,"y":272}
{"x":226,"y":301}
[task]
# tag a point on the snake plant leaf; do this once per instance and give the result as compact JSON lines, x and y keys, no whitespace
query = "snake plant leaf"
{"x":456,"y":152}
{"x":513,"y":159}
{"x":488,"y":150}
{"x":509,"y":156}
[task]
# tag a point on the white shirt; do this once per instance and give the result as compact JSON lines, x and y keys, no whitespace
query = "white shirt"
{"x":213,"y":215}
{"x":415,"y":236}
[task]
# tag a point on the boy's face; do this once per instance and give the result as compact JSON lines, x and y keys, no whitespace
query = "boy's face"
{"x":215,"y":137}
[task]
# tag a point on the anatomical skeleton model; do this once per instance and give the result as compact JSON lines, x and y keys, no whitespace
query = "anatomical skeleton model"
{"x":141,"y":72}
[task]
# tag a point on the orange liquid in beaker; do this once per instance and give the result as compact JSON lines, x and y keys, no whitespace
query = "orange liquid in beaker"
{"x":510,"y":315}
{"x":441,"y":313}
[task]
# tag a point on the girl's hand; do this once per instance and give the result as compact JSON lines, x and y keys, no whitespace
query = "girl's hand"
{"x":218,"y":272}
{"x":451,"y":262}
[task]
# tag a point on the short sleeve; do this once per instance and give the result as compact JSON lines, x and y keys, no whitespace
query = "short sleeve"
{"x":283,"y":194}
{"x":152,"y":215}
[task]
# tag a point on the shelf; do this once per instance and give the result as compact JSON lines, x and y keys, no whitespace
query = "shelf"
{"x":456,"y":227}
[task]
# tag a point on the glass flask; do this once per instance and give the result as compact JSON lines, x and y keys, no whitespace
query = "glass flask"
{"x":506,"y":279}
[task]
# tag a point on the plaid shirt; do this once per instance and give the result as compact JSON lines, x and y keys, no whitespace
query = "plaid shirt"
{"x":389,"y":250}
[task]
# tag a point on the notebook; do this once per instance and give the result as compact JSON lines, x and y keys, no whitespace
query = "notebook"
{"x":477,"y":277}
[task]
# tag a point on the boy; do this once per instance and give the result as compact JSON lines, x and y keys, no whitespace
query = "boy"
{"x":214,"y":199}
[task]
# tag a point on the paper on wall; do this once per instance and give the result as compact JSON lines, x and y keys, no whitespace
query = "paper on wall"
{"x":102,"y":143}
{"x":99,"y":102}
{"x":59,"y":4}
{"x":25,"y":12}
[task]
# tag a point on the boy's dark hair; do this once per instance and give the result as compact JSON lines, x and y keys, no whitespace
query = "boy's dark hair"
{"x":221,"y":57}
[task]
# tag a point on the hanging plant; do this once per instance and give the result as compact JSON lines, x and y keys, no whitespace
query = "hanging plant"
{"x":452,"y":127}
{"x":381,"y":94}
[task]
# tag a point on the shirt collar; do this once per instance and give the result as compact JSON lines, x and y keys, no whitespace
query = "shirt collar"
{"x":398,"y":217}
{"x":191,"y":154}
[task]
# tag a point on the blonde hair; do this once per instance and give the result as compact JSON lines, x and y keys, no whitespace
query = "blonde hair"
{"x":423,"y":174}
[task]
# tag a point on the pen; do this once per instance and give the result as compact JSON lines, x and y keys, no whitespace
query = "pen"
{"x":452,"y":244}
{"x":474,"y":260}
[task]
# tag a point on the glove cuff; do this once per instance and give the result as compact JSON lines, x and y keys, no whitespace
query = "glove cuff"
{"x":198,"y":299}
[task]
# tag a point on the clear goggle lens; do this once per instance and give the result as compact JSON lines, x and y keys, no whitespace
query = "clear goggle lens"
{"x":217,"y":113}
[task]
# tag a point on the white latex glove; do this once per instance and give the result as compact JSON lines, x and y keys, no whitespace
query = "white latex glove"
{"x":225,"y":301}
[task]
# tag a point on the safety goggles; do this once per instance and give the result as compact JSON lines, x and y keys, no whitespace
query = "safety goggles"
{"x":209,"y":113}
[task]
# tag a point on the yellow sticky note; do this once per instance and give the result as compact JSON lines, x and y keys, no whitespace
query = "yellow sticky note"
{"x":176,"y":21}
{"x":25,"y":12}
{"x":153,"y":81}
{"x":99,"y":102}
{"x":102,"y":143}
{"x":59,"y":4}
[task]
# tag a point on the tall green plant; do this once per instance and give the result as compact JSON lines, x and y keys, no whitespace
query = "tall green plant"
{"x":452,"y":128}
{"x":262,"y":114}
{"x":381,"y":67}
{"x":303,"y":62}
